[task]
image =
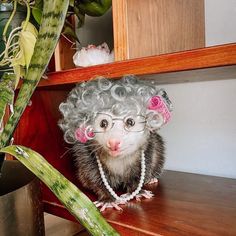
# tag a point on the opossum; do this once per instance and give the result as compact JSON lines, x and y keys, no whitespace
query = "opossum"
{"x":113,"y":127}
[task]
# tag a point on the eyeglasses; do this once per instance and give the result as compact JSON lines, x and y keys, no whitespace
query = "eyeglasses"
{"x":104,"y":122}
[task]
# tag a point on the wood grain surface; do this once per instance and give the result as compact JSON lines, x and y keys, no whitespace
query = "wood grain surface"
{"x":164,"y":26}
{"x":63,"y":54}
{"x":154,"y":27}
{"x":120,"y":29}
{"x":210,"y":57}
{"x":184,"y":204}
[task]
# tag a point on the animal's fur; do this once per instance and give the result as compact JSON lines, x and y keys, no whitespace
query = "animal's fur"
{"x":119,"y":101}
{"x":122,"y":174}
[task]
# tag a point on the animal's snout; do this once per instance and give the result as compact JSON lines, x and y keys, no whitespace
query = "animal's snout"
{"x":113,"y":144}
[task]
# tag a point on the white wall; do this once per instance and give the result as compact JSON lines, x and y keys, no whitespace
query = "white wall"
{"x":97,"y":30}
{"x":220,"y":21}
{"x":201,"y":138}
{"x":202,"y":135}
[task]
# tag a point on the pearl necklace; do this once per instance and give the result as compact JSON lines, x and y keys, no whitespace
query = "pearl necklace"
{"x":109,"y":188}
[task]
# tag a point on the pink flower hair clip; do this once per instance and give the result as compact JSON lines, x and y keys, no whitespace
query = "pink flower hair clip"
{"x":157,"y":103}
{"x":83,"y":134}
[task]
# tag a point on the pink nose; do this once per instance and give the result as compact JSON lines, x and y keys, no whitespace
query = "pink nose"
{"x":113,"y":144}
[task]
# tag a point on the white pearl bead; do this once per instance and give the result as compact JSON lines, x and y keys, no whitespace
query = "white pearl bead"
{"x":109,"y":188}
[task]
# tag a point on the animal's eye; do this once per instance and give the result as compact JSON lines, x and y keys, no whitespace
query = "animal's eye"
{"x":104,"y":124}
{"x":130,"y":122}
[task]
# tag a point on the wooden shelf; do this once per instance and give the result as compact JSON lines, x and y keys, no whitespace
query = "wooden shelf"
{"x":184,"y":204}
{"x":211,"y":57}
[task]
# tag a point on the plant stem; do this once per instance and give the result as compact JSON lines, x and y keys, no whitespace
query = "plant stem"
{"x":9,"y":21}
{"x":27,"y":16}
{"x":11,"y":36}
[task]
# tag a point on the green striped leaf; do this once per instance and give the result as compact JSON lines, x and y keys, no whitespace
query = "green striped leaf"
{"x":71,"y":197}
{"x":54,"y":13}
{"x":7,"y":85}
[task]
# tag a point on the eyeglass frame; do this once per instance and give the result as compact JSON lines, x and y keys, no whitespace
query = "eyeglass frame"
{"x":121,"y":119}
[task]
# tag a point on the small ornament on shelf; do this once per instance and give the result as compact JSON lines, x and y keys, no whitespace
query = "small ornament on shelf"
{"x":93,"y":55}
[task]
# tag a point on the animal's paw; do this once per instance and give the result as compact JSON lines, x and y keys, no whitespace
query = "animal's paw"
{"x":153,"y":181}
{"x":144,"y":193}
{"x":104,"y":205}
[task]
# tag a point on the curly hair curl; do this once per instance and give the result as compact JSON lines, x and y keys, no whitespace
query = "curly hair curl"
{"x":127,"y":96}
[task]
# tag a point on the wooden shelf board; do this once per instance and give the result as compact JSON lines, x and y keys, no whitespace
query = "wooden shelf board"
{"x":217,"y":56}
{"x":215,"y":73}
{"x":184,"y":204}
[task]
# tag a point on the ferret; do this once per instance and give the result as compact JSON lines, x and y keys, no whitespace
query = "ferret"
{"x":113,"y":128}
{"x":119,"y":153}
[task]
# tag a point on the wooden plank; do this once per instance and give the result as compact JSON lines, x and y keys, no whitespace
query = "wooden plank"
{"x":209,"y":74}
{"x":65,"y":49}
{"x":154,"y":27}
{"x":63,"y":54}
{"x":120,"y":29}
{"x":184,"y":204}
{"x":210,"y":57}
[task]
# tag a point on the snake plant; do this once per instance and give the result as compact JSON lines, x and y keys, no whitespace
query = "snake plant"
{"x":74,"y":200}
{"x":77,"y":203}
{"x":79,"y":8}
{"x":54,"y":13}
{"x":6,"y":94}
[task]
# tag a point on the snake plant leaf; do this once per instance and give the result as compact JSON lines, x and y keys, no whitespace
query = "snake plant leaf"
{"x":7,"y":85}
{"x":19,"y":72}
{"x":54,"y":13}
{"x":72,"y":198}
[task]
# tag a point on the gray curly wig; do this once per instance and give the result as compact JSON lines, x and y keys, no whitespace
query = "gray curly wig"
{"x":120,"y":97}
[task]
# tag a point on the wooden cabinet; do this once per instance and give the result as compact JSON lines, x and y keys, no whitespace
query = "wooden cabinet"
{"x":184,"y":204}
{"x":140,"y":29}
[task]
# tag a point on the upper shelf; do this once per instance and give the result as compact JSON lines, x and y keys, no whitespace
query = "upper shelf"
{"x":211,"y":57}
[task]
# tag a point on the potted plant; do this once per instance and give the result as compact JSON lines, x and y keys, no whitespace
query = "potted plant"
{"x":53,"y":16}
{"x":21,"y":208}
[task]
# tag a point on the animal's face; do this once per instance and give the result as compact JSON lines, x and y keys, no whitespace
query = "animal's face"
{"x":120,"y":136}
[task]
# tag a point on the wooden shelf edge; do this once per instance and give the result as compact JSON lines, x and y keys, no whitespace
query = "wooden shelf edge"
{"x":216,"y":56}
{"x":61,"y":211}
{"x":174,"y":196}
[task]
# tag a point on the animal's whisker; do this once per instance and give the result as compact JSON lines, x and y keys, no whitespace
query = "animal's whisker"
{"x":93,"y":145}
{"x":66,"y":152}
{"x":96,"y":150}
{"x":85,"y":147}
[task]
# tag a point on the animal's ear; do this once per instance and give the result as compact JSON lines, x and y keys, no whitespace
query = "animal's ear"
{"x":69,"y":137}
{"x":154,"y":120}
{"x":159,"y":109}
